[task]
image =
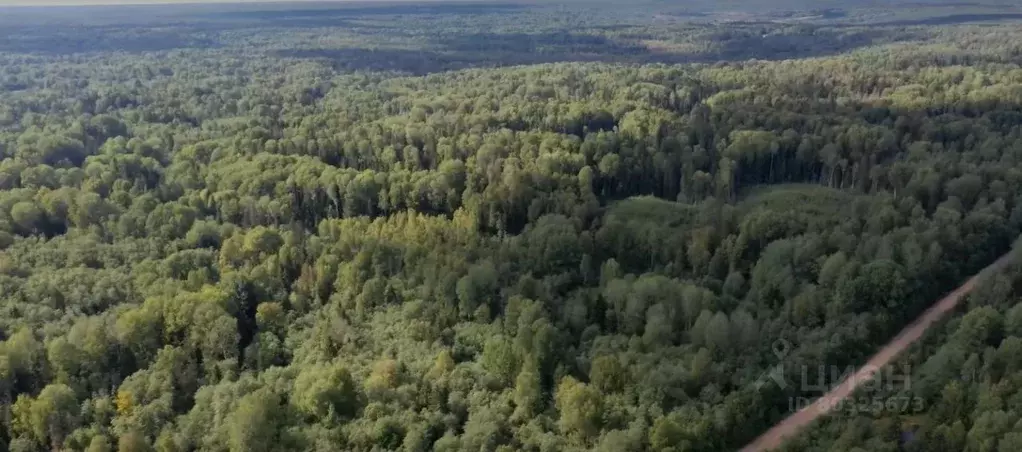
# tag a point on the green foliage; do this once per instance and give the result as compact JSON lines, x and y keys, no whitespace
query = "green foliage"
{"x":99,"y":443}
{"x":580,"y":408}
{"x":325,"y":392}
{"x":132,"y":441}
{"x":254,"y":424}
{"x":464,"y":227}
{"x":48,"y":418}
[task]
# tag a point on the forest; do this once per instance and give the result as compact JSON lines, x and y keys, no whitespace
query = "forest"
{"x":504,"y":227}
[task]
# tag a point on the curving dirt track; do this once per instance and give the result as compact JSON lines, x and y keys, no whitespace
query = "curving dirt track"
{"x":791,"y":425}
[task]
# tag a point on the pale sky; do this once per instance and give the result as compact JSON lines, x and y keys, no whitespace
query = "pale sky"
{"x":140,"y":2}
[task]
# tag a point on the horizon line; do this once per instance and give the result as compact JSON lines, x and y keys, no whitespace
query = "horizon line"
{"x":86,"y":3}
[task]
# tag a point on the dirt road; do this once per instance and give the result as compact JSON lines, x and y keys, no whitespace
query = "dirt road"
{"x":790,"y":426}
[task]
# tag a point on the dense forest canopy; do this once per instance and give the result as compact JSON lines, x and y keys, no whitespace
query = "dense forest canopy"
{"x":502,"y":226}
